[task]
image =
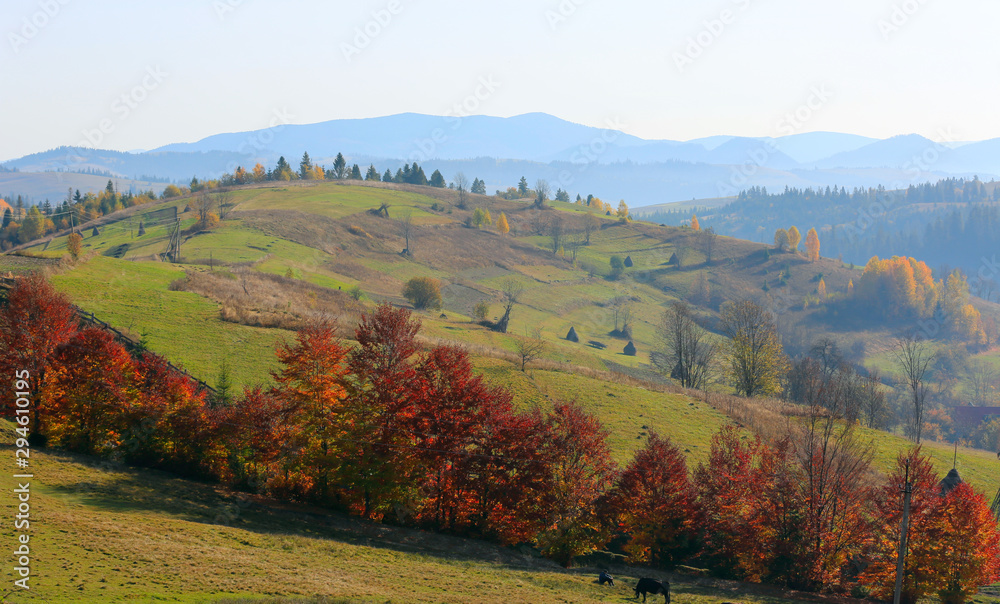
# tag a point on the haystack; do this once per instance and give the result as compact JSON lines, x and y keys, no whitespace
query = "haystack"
{"x":949,"y":482}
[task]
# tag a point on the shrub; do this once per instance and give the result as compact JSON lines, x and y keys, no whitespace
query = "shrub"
{"x":617,"y":267}
{"x":74,"y":243}
{"x":482,"y":311}
{"x":423,"y":292}
{"x":360,"y":232}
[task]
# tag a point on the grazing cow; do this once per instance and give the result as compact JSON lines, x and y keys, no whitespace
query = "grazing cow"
{"x":654,"y":587}
{"x":604,"y":577}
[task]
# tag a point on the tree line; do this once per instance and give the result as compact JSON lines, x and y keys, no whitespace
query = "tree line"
{"x":953,"y":220}
{"x":394,"y":433}
{"x":22,"y":224}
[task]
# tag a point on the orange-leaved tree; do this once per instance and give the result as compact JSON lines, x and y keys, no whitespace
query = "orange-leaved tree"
{"x":966,"y":549}
{"x":92,"y":384}
{"x":313,"y":384}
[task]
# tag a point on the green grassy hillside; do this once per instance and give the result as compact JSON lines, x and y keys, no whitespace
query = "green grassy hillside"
{"x":291,"y":251}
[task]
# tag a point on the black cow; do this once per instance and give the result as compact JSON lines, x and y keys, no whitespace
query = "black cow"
{"x":654,"y":587}
{"x":605,"y":577}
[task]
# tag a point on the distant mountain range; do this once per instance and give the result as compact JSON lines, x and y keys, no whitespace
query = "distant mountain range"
{"x":580,"y":159}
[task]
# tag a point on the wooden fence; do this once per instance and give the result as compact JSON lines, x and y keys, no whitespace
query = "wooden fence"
{"x":132,"y":345}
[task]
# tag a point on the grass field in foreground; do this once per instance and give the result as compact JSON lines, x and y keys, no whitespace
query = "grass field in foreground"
{"x":102,"y":533}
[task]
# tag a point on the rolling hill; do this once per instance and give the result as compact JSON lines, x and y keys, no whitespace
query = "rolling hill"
{"x":291,"y":251}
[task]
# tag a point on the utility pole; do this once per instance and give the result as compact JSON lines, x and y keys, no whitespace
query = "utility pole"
{"x":901,"y":560}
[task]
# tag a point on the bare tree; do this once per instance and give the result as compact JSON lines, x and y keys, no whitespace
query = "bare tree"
{"x":529,"y":348}
{"x":707,"y":239}
{"x":688,"y":353}
{"x":873,"y":400}
{"x":913,"y":357}
{"x":538,"y":223}
{"x":510,"y":293}
{"x":542,"y":191}
{"x":462,"y":186}
{"x":224,"y":201}
{"x":590,"y":224}
{"x":827,"y":353}
{"x":556,"y":232}
{"x":203,"y":204}
{"x":983,"y":380}
{"x":621,"y":311}
{"x":406,"y":230}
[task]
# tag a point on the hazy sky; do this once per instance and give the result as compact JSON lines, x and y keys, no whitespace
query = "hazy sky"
{"x":139,"y":74}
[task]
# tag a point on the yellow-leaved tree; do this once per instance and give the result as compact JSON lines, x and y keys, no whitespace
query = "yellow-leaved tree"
{"x":812,"y":245}
{"x":622,"y":211}
{"x":695,"y":225}
{"x":781,"y":239}
{"x":502,"y":225}
{"x":794,"y":238}
{"x":756,"y":360}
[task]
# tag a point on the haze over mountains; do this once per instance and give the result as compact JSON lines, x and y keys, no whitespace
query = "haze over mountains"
{"x":580,"y":159}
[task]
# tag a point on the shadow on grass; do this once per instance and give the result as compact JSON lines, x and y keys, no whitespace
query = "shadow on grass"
{"x":122,"y":489}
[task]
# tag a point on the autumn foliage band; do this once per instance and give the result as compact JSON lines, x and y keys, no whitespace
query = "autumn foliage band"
{"x":383,"y":429}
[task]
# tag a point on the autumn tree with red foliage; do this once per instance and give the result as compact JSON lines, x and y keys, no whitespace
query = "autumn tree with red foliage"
{"x":953,"y":546}
{"x":579,"y":469}
{"x":92,"y":384}
{"x":835,"y":468}
{"x":164,"y":426}
{"x":752,"y":509}
{"x":254,"y":433}
{"x":479,"y":470}
{"x":379,"y":441}
{"x":34,"y":323}
{"x":451,"y":418}
{"x":653,"y":505}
